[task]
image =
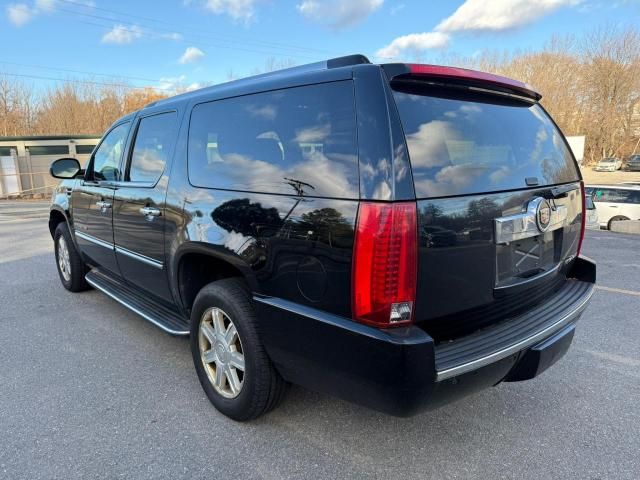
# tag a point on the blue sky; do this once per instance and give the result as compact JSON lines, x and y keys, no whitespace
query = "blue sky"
{"x":194,"y":42}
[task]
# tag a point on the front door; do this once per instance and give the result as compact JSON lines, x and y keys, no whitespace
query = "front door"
{"x":139,"y":204}
{"x":92,"y":200}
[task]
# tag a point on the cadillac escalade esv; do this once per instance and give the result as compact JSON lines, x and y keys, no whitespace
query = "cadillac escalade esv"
{"x":396,"y":235}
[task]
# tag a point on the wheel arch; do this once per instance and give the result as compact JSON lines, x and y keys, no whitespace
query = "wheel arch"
{"x":197,"y":264}
{"x":56,"y":217}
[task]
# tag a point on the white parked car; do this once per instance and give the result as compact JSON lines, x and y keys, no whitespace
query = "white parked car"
{"x":609,"y":164}
{"x":615,"y":202}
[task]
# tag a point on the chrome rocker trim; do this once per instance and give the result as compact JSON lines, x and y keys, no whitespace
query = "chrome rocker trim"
{"x":135,"y":310}
{"x":92,"y":239}
{"x":122,"y":250}
{"x":139,"y":257}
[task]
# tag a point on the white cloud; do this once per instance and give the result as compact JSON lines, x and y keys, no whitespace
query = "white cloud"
{"x":191,"y":54}
{"x":480,"y":15}
{"x":170,"y":83}
{"x":171,"y":36}
{"x":396,"y":9}
{"x":414,"y":43}
{"x":121,"y":34}
{"x":338,"y":14}
{"x":45,"y":5}
{"x":239,"y":10}
{"x":19,"y":13}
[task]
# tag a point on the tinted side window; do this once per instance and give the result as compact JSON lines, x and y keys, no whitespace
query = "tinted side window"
{"x":299,"y":141}
{"x":153,"y":145}
{"x":468,"y":143}
{"x":614,"y":195}
{"x":106,"y":160}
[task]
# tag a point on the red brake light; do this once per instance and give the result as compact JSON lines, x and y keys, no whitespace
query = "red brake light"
{"x":385,"y":257}
{"x":583,"y":217}
{"x":463,"y":73}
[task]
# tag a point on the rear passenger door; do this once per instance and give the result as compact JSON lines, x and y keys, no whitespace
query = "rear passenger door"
{"x":139,"y":204}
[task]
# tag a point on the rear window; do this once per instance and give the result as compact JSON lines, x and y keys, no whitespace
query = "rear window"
{"x":299,"y":141}
{"x":463,"y":144}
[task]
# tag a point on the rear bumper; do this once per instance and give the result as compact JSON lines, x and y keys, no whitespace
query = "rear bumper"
{"x":401,"y":371}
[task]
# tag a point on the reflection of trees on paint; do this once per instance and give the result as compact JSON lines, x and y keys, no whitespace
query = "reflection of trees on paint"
{"x":240,"y":215}
{"x":476,"y":220}
{"x":327,"y":225}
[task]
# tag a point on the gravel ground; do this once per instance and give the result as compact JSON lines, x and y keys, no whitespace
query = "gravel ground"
{"x":90,"y":390}
{"x":592,"y":177}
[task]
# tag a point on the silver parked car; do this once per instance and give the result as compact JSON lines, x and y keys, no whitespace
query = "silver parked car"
{"x":615,"y":202}
{"x":609,"y":164}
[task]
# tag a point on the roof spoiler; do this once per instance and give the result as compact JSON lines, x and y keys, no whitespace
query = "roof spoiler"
{"x":461,"y":76}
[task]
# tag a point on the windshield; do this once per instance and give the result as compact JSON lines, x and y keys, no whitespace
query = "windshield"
{"x":472,"y":144}
{"x":607,"y":160}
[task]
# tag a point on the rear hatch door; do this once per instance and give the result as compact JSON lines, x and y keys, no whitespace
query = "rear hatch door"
{"x":499,"y":201}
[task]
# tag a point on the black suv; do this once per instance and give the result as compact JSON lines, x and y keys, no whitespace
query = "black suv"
{"x":397,"y":235}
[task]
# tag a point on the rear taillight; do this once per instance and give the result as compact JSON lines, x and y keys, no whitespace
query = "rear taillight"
{"x":583,"y":218}
{"x":385,"y":257}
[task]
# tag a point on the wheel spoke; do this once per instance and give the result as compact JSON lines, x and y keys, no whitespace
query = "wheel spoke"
{"x":220,"y":376}
{"x":218,"y":321}
{"x":230,"y":334}
{"x":236,"y":359}
{"x":232,"y":380}
{"x":209,"y":356}
{"x":208,"y":332}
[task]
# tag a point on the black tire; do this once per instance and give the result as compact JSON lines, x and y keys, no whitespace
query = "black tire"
{"x":262,"y":387}
{"x":75,"y":281}
{"x":617,"y":218}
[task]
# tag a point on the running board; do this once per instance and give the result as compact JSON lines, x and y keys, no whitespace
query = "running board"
{"x":148,"y":309}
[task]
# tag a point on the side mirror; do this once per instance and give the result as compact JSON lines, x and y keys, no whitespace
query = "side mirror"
{"x":65,"y":168}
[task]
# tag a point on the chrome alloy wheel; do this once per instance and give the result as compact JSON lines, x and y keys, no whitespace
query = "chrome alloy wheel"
{"x":64,"y":262}
{"x":221,"y":352}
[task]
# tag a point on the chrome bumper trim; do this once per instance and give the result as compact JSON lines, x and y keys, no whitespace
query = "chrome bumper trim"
{"x":521,"y":345}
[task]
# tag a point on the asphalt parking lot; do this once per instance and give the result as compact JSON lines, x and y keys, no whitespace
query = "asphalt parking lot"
{"x":90,"y":390}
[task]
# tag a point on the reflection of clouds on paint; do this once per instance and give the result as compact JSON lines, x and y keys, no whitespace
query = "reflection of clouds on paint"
{"x":541,"y":138}
{"x":400,"y":163}
{"x":317,"y":133}
{"x":147,"y":165}
{"x":500,"y":175}
{"x":328,"y":176}
{"x":452,"y":178}
{"x":382,"y":191}
{"x":428,"y":145}
{"x":266,"y":112}
{"x":236,"y":241}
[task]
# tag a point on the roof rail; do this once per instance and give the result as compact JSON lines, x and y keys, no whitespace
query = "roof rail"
{"x":347,"y":60}
{"x":337,"y":62}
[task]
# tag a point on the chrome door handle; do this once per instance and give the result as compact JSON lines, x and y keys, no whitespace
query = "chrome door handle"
{"x":104,"y":206}
{"x":150,"y":211}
